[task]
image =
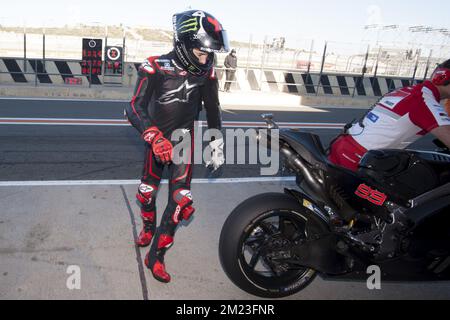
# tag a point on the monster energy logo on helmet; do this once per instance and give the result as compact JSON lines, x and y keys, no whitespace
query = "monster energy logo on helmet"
{"x":197,"y":29}
{"x":188,"y":25}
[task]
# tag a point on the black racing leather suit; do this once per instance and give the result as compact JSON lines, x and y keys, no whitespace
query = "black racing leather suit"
{"x":168,"y":97}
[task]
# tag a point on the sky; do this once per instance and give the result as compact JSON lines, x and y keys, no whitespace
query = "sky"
{"x":341,"y":21}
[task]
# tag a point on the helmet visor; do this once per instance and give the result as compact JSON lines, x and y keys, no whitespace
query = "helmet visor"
{"x":214,"y":42}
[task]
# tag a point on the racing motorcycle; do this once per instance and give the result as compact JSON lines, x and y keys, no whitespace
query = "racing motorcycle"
{"x":393,"y":213}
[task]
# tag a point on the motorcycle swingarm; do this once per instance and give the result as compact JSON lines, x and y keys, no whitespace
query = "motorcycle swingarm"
{"x":320,"y":254}
{"x":300,"y":197}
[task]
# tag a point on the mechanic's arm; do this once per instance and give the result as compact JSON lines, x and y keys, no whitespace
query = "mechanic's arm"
{"x":136,"y":111}
{"x":443,"y":134}
{"x":210,"y":97}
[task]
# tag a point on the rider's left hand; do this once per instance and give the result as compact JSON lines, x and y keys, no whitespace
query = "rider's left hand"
{"x":217,"y":156}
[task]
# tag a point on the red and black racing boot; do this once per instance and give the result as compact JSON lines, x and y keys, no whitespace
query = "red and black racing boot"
{"x":147,"y":232}
{"x":156,"y":262}
{"x":144,"y":239}
{"x":159,"y":272}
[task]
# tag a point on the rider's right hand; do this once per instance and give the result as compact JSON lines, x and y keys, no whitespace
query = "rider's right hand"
{"x":151,"y":134}
{"x":162,"y":148}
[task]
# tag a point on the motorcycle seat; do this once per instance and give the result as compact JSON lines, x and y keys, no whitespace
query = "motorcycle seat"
{"x":306,"y":144}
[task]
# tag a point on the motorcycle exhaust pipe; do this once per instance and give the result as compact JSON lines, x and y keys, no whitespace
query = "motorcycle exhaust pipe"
{"x":295,"y":162}
{"x":300,"y":166}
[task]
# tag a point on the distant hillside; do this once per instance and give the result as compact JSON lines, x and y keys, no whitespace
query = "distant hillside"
{"x":100,"y":31}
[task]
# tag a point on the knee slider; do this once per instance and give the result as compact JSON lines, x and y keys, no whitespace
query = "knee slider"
{"x":145,"y":194}
{"x":184,"y":209}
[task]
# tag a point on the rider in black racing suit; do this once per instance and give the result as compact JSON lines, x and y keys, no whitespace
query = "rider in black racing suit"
{"x":168,"y":95}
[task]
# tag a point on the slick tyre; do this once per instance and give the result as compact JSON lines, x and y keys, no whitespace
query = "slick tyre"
{"x":259,"y":223}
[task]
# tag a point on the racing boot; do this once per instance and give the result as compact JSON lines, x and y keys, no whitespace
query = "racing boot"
{"x":145,"y":198}
{"x":148,"y":230}
{"x":155,"y":260}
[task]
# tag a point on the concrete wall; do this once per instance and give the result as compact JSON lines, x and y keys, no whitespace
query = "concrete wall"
{"x":13,"y":70}
{"x":333,"y":89}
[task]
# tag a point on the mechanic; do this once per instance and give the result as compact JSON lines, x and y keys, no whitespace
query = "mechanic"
{"x":399,"y":117}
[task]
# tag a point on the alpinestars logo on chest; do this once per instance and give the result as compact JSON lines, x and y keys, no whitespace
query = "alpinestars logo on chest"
{"x":181,"y":94}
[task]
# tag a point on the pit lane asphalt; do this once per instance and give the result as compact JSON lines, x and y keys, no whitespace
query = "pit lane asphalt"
{"x":55,"y":152}
{"x":45,"y":230}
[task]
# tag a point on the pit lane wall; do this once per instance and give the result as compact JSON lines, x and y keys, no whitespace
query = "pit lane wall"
{"x":58,"y":73}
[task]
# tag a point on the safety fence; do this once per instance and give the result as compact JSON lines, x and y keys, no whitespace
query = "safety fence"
{"x":68,"y":73}
{"x":406,"y":60}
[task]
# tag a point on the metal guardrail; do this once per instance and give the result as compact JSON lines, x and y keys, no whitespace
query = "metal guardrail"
{"x":266,"y":53}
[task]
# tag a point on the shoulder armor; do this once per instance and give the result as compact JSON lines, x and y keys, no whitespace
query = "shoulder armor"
{"x":149,"y":65}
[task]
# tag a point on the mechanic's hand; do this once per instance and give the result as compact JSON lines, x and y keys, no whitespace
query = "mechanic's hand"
{"x":163,"y":150}
{"x":217,"y":156}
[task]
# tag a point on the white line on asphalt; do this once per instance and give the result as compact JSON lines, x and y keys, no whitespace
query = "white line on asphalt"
{"x":63,"y":122}
{"x":62,"y":99}
{"x":228,"y":111}
{"x":135,"y":182}
{"x":118,"y":122}
{"x":67,"y":124}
